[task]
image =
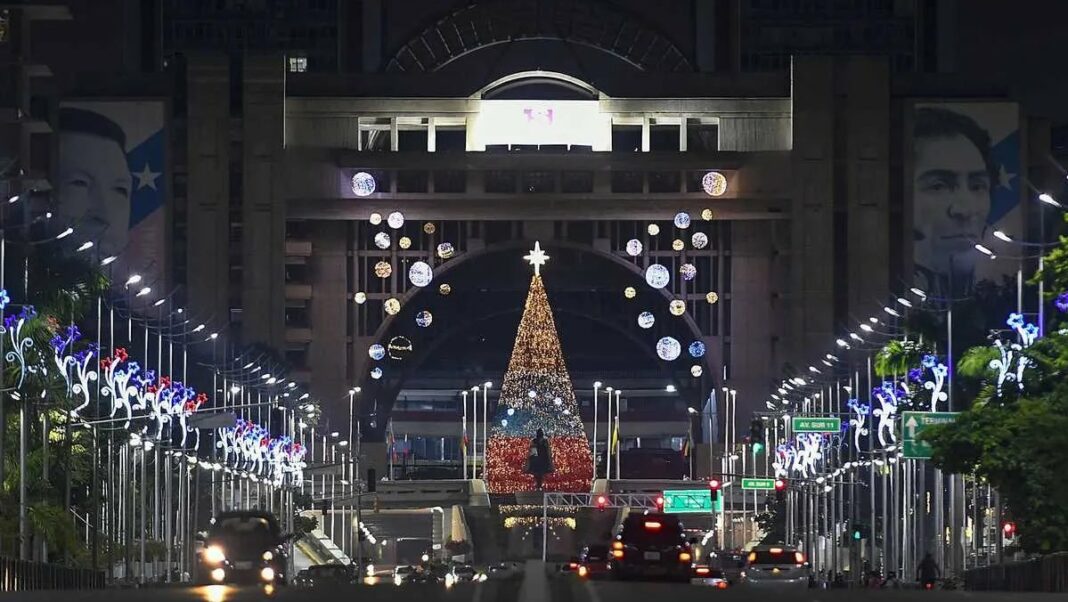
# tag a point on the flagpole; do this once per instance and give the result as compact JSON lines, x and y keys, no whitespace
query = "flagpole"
{"x":463,"y":436}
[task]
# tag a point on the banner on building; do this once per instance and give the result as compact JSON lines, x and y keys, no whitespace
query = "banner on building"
{"x":112,"y":182}
{"x":965,"y":183}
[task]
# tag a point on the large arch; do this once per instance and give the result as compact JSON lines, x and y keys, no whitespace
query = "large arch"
{"x":469,"y":311}
{"x":481,"y":24}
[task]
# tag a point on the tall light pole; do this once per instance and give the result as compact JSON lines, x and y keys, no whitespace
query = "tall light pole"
{"x":608,"y":436}
{"x":463,"y":434}
{"x":485,"y":423}
{"x":619,"y":445}
{"x":474,"y":429}
{"x":596,"y":389}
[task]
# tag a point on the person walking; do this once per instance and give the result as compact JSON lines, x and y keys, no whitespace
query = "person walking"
{"x":539,"y":460}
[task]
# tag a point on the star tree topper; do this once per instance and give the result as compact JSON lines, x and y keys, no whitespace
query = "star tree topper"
{"x":537,"y":258}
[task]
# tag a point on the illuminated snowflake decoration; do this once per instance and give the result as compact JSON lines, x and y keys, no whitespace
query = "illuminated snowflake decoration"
{"x":682,"y":220}
{"x":714,"y":184}
{"x":657,"y":276}
{"x":382,"y":240}
{"x":696,"y":371}
{"x":1061,"y":302}
{"x":668,"y":349}
{"x":646,"y":319}
{"x":859,"y":421}
{"x":446,"y":250}
{"x":376,"y":352}
{"x":424,"y":319}
{"x":937,"y":381}
{"x":634,"y":247}
{"x":697,"y":349}
{"x":699,"y":240}
{"x":395,"y":220}
{"x":363,"y":184}
{"x":688,"y":271}
{"x":889,"y":395}
{"x":420,"y":273}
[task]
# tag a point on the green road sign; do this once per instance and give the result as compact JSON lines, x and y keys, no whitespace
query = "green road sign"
{"x":691,"y":501}
{"x":816,"y":424}
{"x":761,"y":484}
{"x":914,"y":423}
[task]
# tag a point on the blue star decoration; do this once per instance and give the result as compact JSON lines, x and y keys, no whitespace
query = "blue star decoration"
{"x":146,"y":164}
{"x":1005,"y":190}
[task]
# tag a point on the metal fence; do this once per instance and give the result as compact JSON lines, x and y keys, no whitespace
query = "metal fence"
{"x":1046,"y":574}
{"x":23,"y":575}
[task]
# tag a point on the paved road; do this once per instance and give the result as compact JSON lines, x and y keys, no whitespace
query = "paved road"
{"x":535,"y":588}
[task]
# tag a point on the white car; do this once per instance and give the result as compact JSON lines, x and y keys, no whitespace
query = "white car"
{"x":777,"y":567}
{"x":403,"y":574}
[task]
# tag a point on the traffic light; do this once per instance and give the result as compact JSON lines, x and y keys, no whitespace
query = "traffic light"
{"x":602,"y":503}
{"x":659,"y":503}
{"x":756,"y":435}
{"x":860,"y":531}
{"x":857,"y":535}
{"x":1009,"y":529}
{"x":780,"y":489}
{"x":713,"y":489}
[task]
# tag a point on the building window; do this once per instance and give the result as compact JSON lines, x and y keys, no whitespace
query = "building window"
{"x":298,"y":64}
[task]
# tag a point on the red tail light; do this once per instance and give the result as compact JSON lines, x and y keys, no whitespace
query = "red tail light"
{"x":928,"y":586}
{"x":652,"y":525}
{"x":617,"y":553}
{"x":574,"y":565}
{"x":583,"y":571}
{"x":617,"y":545}
{"x":776,"y":550}
{"x":722,"y":585}
{"x":702,"y":570}
{"x":799,"y":557}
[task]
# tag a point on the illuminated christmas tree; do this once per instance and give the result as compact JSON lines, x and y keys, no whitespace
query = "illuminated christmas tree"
{"x":537,"y":394}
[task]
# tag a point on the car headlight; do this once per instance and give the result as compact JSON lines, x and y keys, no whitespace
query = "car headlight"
{"x":214,"y":554}
{"x":268,"y":555}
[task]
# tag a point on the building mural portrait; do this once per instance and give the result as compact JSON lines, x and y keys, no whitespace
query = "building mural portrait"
{"x":112,"y":184}
{"x":965,"y":184}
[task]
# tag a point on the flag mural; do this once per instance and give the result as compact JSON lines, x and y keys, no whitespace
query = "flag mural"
{"x":537,"y":394}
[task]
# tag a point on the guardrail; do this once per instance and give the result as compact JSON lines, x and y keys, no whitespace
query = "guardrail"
{"x":23,"y":575}
{"x":1046,"y":574}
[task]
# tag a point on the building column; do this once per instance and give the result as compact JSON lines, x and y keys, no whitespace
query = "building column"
{"x":327,"y":354}
{"x":263,"y":208}
{"x":208,"y":188}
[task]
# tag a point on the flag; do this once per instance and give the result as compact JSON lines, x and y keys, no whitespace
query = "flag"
{"x":686,"y":447}
{"x":463,"y":445}
{"x":615,"y":439}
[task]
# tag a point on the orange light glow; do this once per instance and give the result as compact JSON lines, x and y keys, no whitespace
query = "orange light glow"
{"x":652,"y":525}
{"x":752,"y":556}
{"x":617,"y":545}
{"x":799,"y":557}
{"x":583,"y":571}
{"x":617,"y":553}
{"x":776,"y":550}
{"x":685,"y":557}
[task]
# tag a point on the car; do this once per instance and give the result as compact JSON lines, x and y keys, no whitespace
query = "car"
{"x":243,"y":547}
{"x":301,"y":579}
{"x":706,"y":575}
{"x":731,"y":562}
{"x":319,"y":575}
{"x":501,"y":571}
{"x":777,"y":567}
{"x":464,"y":572}
{"x":651,"y":545}
{"x":593,"y":562}
{"x":404,"y":574}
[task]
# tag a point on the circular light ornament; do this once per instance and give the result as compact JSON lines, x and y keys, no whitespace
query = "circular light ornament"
{"x":424,"y":319}
{"x":668,"y":348}
{"x":688,"y":271}
{"x":712,"y":298}
{"x":504,"y":422}
{"x":382,"y":240}
{"x":444,"y":289}
{"x":363,"y":184}
{"x":653,"y":229}
{"x":420,"y":273}
{"x":360,"y":298}
{"x":404,"y":242}
{"x":629,"y":292}
{"x":375,"y":218}
{"x":392,"y":306}
{"x":677,"y":307}
{"x":699,"y":240}
{"x":446,"y":250}
{"x":708,"y":215}
{"x":682,"y":220}
{"x":634,"y":247}
{"x":430,"y":228}
{"x":677,"y":244}
{"x":646,"y":319}
{"x":697,"y":349}
{"x":399,"y":347}
{"x":395,"y":220}
{"x":714,"y":183}
{"x":657,"y":276}
{"x":511,"y":411}
{"x":383,"y":269}
{"x":376,"y":352}
{"x":376,"y":373}
{"x":531,"y":394}
{"x":558,"y":402}
{"x":696,"y":371}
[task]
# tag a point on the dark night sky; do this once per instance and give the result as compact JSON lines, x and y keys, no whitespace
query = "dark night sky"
{"x":1021,"y":43}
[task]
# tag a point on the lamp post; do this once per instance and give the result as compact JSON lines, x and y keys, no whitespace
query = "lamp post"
{"x":474,"y":429}
{"x":596,"y":389}
{"x":485,"y":423}
{"x":608,"y":436}
{"x":463,"y":434}
{"x":619,"y":445}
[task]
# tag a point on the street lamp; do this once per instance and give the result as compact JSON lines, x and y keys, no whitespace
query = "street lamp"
{"x":485,"y":423}
{"x":596,"y":389}
{"x":1049,"y":200}
{"x":670,"y":388}
{"x":985,"y":251}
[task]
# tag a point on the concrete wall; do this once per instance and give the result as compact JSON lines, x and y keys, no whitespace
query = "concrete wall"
{"x":327,"y":354}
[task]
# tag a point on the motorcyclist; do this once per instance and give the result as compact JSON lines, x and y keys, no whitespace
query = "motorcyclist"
{"x":928,"y":572}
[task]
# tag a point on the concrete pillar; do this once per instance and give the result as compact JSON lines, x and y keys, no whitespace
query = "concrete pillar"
{"x":263,"y":208}
{"x":208,"y":207}
{"x":751,"y":313}
{"x":327,"y":354}
{"x":812,"y":261}
{"x":867,"y":175}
